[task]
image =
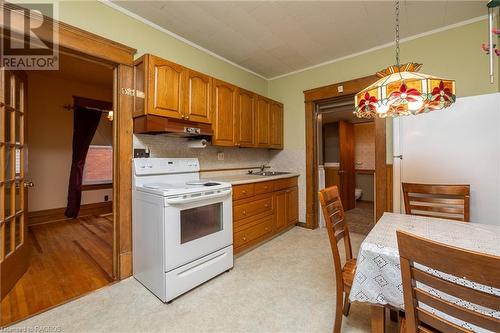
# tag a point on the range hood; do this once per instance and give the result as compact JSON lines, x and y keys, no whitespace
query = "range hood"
{"x":150,"y":124}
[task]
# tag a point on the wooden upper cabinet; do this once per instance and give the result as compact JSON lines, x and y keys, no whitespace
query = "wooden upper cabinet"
{"x":237,"y":116}
{"x":263,"y":122}
{"x":245,"y":107}
{"x":276,"y":126}
{"x":165,"y":86}
{"x":225,"y":115}
{"x":198,"y":97}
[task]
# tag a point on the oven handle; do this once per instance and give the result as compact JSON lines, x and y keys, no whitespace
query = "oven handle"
{"x":174,"y":201}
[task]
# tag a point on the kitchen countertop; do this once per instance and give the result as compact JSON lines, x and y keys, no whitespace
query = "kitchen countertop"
{"x":239,"y":179}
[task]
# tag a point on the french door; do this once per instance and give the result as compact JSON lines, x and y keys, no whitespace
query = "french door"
{"x":13,"y":194}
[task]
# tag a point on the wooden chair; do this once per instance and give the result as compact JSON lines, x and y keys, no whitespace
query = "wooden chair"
{"x":444,"y":201}
{"x":337,"y":230}
{"x":475,"y":267}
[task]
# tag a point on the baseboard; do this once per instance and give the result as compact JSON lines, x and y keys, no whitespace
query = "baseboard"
{"x":57,"y":214}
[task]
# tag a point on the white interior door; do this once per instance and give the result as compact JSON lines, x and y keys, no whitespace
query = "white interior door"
{"x":459,"y":145}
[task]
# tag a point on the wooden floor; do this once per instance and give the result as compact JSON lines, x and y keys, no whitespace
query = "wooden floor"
{"x":68,"y":259}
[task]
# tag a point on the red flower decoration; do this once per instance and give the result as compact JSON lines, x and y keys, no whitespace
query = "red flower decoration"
{"x":405,"y":95}
{"x":368,"y":104}
{"x":441,"y":93}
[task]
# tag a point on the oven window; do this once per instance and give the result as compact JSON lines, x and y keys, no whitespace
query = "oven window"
{"x":200,"y":221}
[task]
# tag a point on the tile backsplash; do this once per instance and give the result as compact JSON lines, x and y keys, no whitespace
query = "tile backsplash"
{"x":167,"y":146}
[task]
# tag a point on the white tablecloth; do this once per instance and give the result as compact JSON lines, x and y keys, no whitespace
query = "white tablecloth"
{"x":378,"y":275}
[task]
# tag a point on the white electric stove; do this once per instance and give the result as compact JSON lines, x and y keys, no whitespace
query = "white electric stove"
{"x":182,"y":226}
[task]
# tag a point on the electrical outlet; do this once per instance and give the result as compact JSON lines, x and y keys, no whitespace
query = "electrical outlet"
{"x":138,"y":153}
{"x":220,"y":156}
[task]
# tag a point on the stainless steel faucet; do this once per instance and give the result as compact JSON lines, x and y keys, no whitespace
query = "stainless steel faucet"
{"x":262,"y":168}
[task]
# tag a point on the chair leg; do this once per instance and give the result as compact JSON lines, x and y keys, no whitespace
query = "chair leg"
{"x":337,"y":326}
{"x":347,"y":305}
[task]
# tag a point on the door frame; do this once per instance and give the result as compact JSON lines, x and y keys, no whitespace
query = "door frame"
{"x":88,"y":46}
{"x":383,"y":171}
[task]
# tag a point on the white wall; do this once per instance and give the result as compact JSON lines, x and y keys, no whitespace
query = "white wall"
{"x":459,"y":145}
{"x":50,"y":135}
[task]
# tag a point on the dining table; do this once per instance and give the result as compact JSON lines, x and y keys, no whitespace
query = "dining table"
{"x":377,"y":280}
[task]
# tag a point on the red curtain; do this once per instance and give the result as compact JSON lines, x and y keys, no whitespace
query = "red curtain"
{"x":85,"y":124}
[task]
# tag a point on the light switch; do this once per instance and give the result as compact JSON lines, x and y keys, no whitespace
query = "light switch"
{"x":340,"y":89}
{"x":220,"y":156}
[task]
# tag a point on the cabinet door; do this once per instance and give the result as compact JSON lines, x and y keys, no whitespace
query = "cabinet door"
{"x":281,"y":210}
{"x":140,"y":75}
{"x":263,"y":122}
{"x":198,"y":95}
{"x":292,"y":203}
{"x":276,"y":128}
{"x":245,"y":131}
{"x":165,"y":88}
{"x":224,"y":96}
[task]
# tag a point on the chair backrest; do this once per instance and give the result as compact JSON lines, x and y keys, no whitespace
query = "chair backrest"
{"x":445,"y":201}
{"x":334,"y":215}
{"x":472,"y":266}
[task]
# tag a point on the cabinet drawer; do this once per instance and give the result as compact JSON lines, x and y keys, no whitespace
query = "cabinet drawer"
{"x":252,"y":208}
{"x":256,"y":231}
{"x":243,"y":191}
{"x":281,"y":184}
{"x":264,"y":187}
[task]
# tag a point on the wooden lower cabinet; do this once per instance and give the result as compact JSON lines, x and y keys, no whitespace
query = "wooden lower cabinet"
{"x":263,"y":209}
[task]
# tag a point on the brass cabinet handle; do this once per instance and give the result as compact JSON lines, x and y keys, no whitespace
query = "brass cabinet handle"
{"x":28,"y":184}
{"x":243,"y":192}
{"x":244,"y":212}
{"x":244,"y":238}
{"x":266,"y":205}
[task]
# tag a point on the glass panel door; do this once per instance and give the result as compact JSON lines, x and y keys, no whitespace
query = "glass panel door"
{"x":201,"y":221}
{"x":13,"y":252}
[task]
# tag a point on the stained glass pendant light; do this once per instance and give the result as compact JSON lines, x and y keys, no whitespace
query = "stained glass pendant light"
{"x":402,"y":91}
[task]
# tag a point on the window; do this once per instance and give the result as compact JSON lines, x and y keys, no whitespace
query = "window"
{"x":98,"y":165}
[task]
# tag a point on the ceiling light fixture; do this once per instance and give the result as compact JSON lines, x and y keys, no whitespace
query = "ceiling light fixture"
{"x":402,"y":91}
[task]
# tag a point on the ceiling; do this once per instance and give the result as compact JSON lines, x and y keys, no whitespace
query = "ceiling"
{"x":272,"y":38}
{"x":77,"y":69}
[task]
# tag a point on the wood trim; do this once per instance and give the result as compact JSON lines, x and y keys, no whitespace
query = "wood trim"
{"x":57,"y":214}
{"x":350,"y":87}
{"x":330,"y":92}
{"x":93,"y":187}
{"x":75,"y":40}
{"x":389,"y":187}
{"x":122,"y":172}
{"x":311,"y":168}
{"x":380,"y":168}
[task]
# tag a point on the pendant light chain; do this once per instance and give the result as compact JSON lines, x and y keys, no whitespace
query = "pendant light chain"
{"x":397,"y":33}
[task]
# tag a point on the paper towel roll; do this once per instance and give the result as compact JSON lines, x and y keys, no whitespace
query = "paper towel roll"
{"x":198,"y":143}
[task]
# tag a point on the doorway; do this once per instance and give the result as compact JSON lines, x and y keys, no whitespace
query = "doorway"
{"x":68,"y":253}
{"x":346,"y":158}
{"x":383,"y":171}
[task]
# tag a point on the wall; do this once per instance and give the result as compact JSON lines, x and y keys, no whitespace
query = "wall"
{"x":96,"y":17}
{"x":50,"y":133}
{"x":165,"y":146}
{"x":364,"y":146}
{"x":453,"y":53}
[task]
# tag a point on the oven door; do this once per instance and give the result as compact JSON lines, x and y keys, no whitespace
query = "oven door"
{"x":197,"y":226}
